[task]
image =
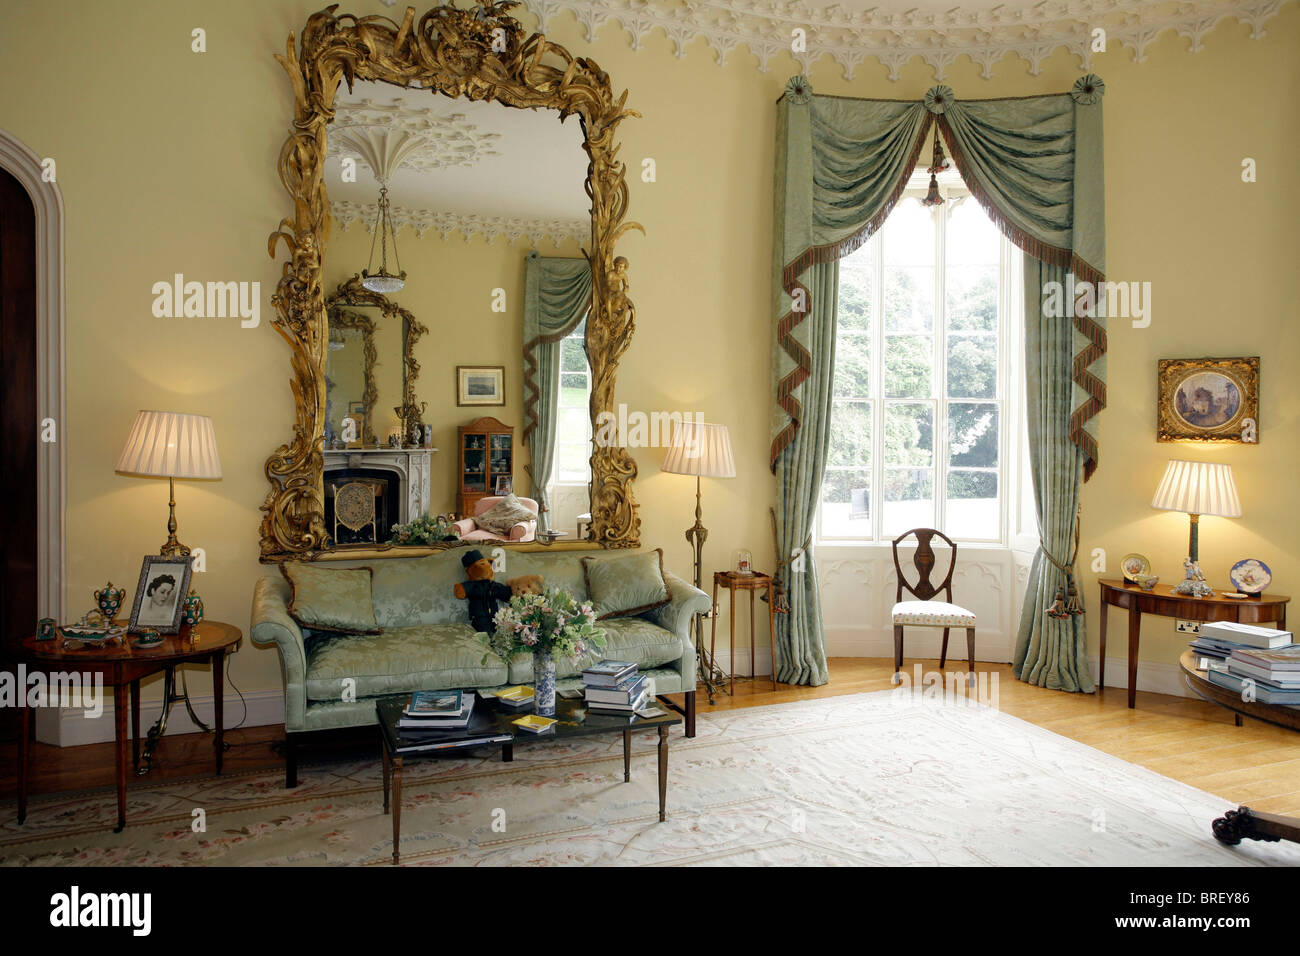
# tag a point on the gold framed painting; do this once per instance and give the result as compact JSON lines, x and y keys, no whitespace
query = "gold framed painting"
{"x":480,"y":385}
{"x":1208,"y":399}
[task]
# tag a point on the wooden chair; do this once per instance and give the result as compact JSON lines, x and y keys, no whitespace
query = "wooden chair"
{"x":354,"y":506}
{"x":925,"y":611}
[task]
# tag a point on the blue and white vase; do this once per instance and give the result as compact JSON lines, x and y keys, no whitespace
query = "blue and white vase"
{"x":543,"y":684}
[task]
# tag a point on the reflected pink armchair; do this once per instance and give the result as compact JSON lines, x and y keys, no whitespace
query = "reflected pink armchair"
{"x":524,"y":531}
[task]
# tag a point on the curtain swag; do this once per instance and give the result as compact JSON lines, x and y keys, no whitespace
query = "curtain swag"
{"x":1032,"y":163}
{"x":557,"y":296}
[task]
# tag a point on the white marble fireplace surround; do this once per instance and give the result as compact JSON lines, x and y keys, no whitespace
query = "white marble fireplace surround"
{"x":409,"y":466}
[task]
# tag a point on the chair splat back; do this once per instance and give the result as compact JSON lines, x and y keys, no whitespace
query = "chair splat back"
{"x":924,"y":561}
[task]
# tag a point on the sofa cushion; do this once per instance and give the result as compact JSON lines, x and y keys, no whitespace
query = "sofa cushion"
{"x":400,"y":660}
{"x":331,"y":599}
{"x":411,"y":591}
{"x":628,"y":584}
{"x":629,"y":639}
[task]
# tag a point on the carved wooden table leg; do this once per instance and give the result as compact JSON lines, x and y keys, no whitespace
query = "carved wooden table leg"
{"x":627,"y":755}
{"x":24,"y":751}
{"x":1247,"y":824}
{"x":663,"y":771}
{"x":397,"y":807}
{"x":388,"y":769}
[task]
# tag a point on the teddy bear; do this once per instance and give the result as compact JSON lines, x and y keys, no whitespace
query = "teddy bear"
{"x":526,"y":584}
{"x":483,"y":593}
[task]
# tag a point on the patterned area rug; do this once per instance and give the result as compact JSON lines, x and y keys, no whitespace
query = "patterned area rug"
{"x":868,"y":779}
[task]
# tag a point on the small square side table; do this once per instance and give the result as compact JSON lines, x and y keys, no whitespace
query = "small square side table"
{"x":734,"y":582}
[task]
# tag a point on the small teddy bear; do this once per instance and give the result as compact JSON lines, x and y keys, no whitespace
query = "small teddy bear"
{"x":526,"y":584}
{"x":483,"y":593}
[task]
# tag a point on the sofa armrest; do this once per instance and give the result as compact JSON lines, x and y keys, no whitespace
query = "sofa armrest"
{"x":677,"y":615}
{"x":273,"y":625}
{"x":522,"y":530}
{"x":464,"y":526}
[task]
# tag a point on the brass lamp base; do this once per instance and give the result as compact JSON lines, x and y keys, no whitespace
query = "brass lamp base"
{"x":171,"y":547}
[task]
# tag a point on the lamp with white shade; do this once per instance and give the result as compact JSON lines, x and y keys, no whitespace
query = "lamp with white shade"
{"x":171,"y":445}
{"x":1197,"y":488}
{"x":703,"y":450}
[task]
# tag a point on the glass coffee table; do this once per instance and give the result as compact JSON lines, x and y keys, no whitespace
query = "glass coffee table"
{"x":492,"y":726}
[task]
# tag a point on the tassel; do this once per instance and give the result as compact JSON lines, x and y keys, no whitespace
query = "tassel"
{"x":938,"y":164}
{"x":1073,"y":605}
{"x":1057,"y":608}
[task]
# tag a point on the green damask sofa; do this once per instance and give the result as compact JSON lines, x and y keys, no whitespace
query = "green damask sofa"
{"x":428,"y":644}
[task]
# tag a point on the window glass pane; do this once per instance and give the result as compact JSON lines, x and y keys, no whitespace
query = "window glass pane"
{"x":908,"y":366}
{"x":846,"y":503}
{"x":972,"y":510}
{"x":852,"y":365}
{"x":853,"y":305}
{"x":573,"y":423}
{"x":909,"y":298}
{"x":909,"y":434}
{"x":972,"y":366}
{"x":972,"y":237}
{"x":972,"y":298}
{"x":571,"y":383}
{"x":909,"y":500}
{"x":850,"y":439}
{"x":571,"y":460}
{"x":908,"y":235}
{"x":572,"y":356}
{"x":973,"y":434}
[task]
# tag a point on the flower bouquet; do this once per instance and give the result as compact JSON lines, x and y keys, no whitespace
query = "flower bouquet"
{"x":552,"y":624}
{"x":426,"y":529}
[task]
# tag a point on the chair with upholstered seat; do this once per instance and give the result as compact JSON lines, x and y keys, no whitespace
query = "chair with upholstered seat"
{"x":925,"y":611}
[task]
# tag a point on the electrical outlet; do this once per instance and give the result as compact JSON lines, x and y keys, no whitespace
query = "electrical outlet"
{"x":1187,"y":627}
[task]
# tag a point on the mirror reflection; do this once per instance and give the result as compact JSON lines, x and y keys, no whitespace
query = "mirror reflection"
{"x":438,"y":206}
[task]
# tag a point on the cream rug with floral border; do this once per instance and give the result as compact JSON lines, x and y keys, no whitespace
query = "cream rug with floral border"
{"x":867,"y":779}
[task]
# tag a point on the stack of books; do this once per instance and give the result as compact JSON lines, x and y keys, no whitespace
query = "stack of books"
{"x":1218,"y":639}
{"x":615,"y":688}
{"x":1252,"y":660}
{"x":442,"y":719}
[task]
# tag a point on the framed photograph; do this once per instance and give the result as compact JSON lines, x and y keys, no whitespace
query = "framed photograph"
{"x":480,"y":384}
{"x":1208,"y":399}
{"x":160,"y":595}
{"x":505,"y":486}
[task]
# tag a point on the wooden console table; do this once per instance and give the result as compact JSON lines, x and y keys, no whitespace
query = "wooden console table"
{"x":123,"y":667}
{"x":1163,"y":601}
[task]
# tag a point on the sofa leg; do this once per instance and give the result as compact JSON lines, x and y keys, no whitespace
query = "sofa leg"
{"x":290,"y":762}
{"x":690,"y":713}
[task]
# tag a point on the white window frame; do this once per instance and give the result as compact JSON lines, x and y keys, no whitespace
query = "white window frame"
{"x":554,"y":481}
{"x":1014,"y":489}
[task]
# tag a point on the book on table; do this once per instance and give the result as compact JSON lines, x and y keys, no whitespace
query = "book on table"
{"x":608,"y":673}
{"x":1281,"y":659}
{"x":434,"y":703}
{"x":1251,"y":635}
{"x":622,"y":693}
{"x":1257,"y":689}
{"x":440,"y":721}
{"x":624,"y":710}
{"x":481,"y":730}
{"x":1255,"y":672}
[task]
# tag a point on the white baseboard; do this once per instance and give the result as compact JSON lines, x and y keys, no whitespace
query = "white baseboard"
{"x":71,"y":727}
{"x":918,"y":642}
{"x":1155,"y":676}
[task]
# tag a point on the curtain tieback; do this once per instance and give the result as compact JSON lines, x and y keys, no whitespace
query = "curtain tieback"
{"x":1066,"y":603}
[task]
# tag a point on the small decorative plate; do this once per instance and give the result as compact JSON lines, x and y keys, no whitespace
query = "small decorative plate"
{"x":1134,"y":566}
{"x":1250,"y":575}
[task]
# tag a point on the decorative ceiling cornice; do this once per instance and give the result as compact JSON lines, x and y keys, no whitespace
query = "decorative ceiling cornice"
{"x":346,"y":213}
{"x":389,"y":136}
{"x":1031,"y":30}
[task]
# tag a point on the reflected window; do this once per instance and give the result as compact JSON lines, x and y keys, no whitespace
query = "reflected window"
{"x":572,"y":465}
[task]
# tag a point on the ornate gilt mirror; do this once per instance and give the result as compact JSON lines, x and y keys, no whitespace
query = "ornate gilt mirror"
{"x":438,"y":75}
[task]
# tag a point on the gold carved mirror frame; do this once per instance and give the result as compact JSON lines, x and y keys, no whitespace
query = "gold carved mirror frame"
{"x":480,"y":53}
{"x":353,"y":293}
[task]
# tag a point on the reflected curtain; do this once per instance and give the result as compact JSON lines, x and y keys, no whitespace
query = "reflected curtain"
{"x":1034,"y":165}
{"x":557,"y":296}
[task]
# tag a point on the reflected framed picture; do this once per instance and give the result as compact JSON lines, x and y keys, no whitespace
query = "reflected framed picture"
{"x":160,"y":595}
{"x":1208,"y":399}
{"x":480,"y":385}
{"x":505,"y":485}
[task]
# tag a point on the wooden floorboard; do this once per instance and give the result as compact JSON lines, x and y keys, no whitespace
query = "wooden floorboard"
{"x":1189,"y":740}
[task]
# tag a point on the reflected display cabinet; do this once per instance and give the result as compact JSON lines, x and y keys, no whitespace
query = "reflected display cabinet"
{"x":486,"y":462}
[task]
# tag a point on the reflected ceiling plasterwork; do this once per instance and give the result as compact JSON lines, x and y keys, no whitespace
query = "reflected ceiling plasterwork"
{"x":489,"y":227}
{"x":389,"y":136}
{"x":896,"y":32}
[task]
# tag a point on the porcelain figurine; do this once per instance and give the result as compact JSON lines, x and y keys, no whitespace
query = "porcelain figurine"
{"x":109,"y":600}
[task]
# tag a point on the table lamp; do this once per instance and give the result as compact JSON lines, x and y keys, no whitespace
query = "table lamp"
{"x":702,"y":450}
{"x":170,"y":445}
{"x":1197,"y":488}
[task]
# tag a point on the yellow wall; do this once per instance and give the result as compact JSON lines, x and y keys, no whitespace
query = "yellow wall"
{"x":166,"y":160}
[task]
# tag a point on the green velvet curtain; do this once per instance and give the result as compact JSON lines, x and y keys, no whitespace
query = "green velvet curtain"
{"x":557,"y":296}
{"x":1034,"y":164}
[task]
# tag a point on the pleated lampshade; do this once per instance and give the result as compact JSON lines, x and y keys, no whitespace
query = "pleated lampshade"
{"x":700,"y":449}
{"x":170,"y":445}
{"x":1198,"y":488}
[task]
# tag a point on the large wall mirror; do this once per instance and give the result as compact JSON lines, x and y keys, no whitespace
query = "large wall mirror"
{"x":474,"y":168}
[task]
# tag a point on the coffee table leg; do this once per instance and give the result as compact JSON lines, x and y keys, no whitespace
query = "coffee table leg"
{"x":388,"y":769}
{"x":507,"y":752}
{"x":663,"y":771}
{"x":24,"y":749}
{"x":397,"y":806}
{"x":627,"y":755}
